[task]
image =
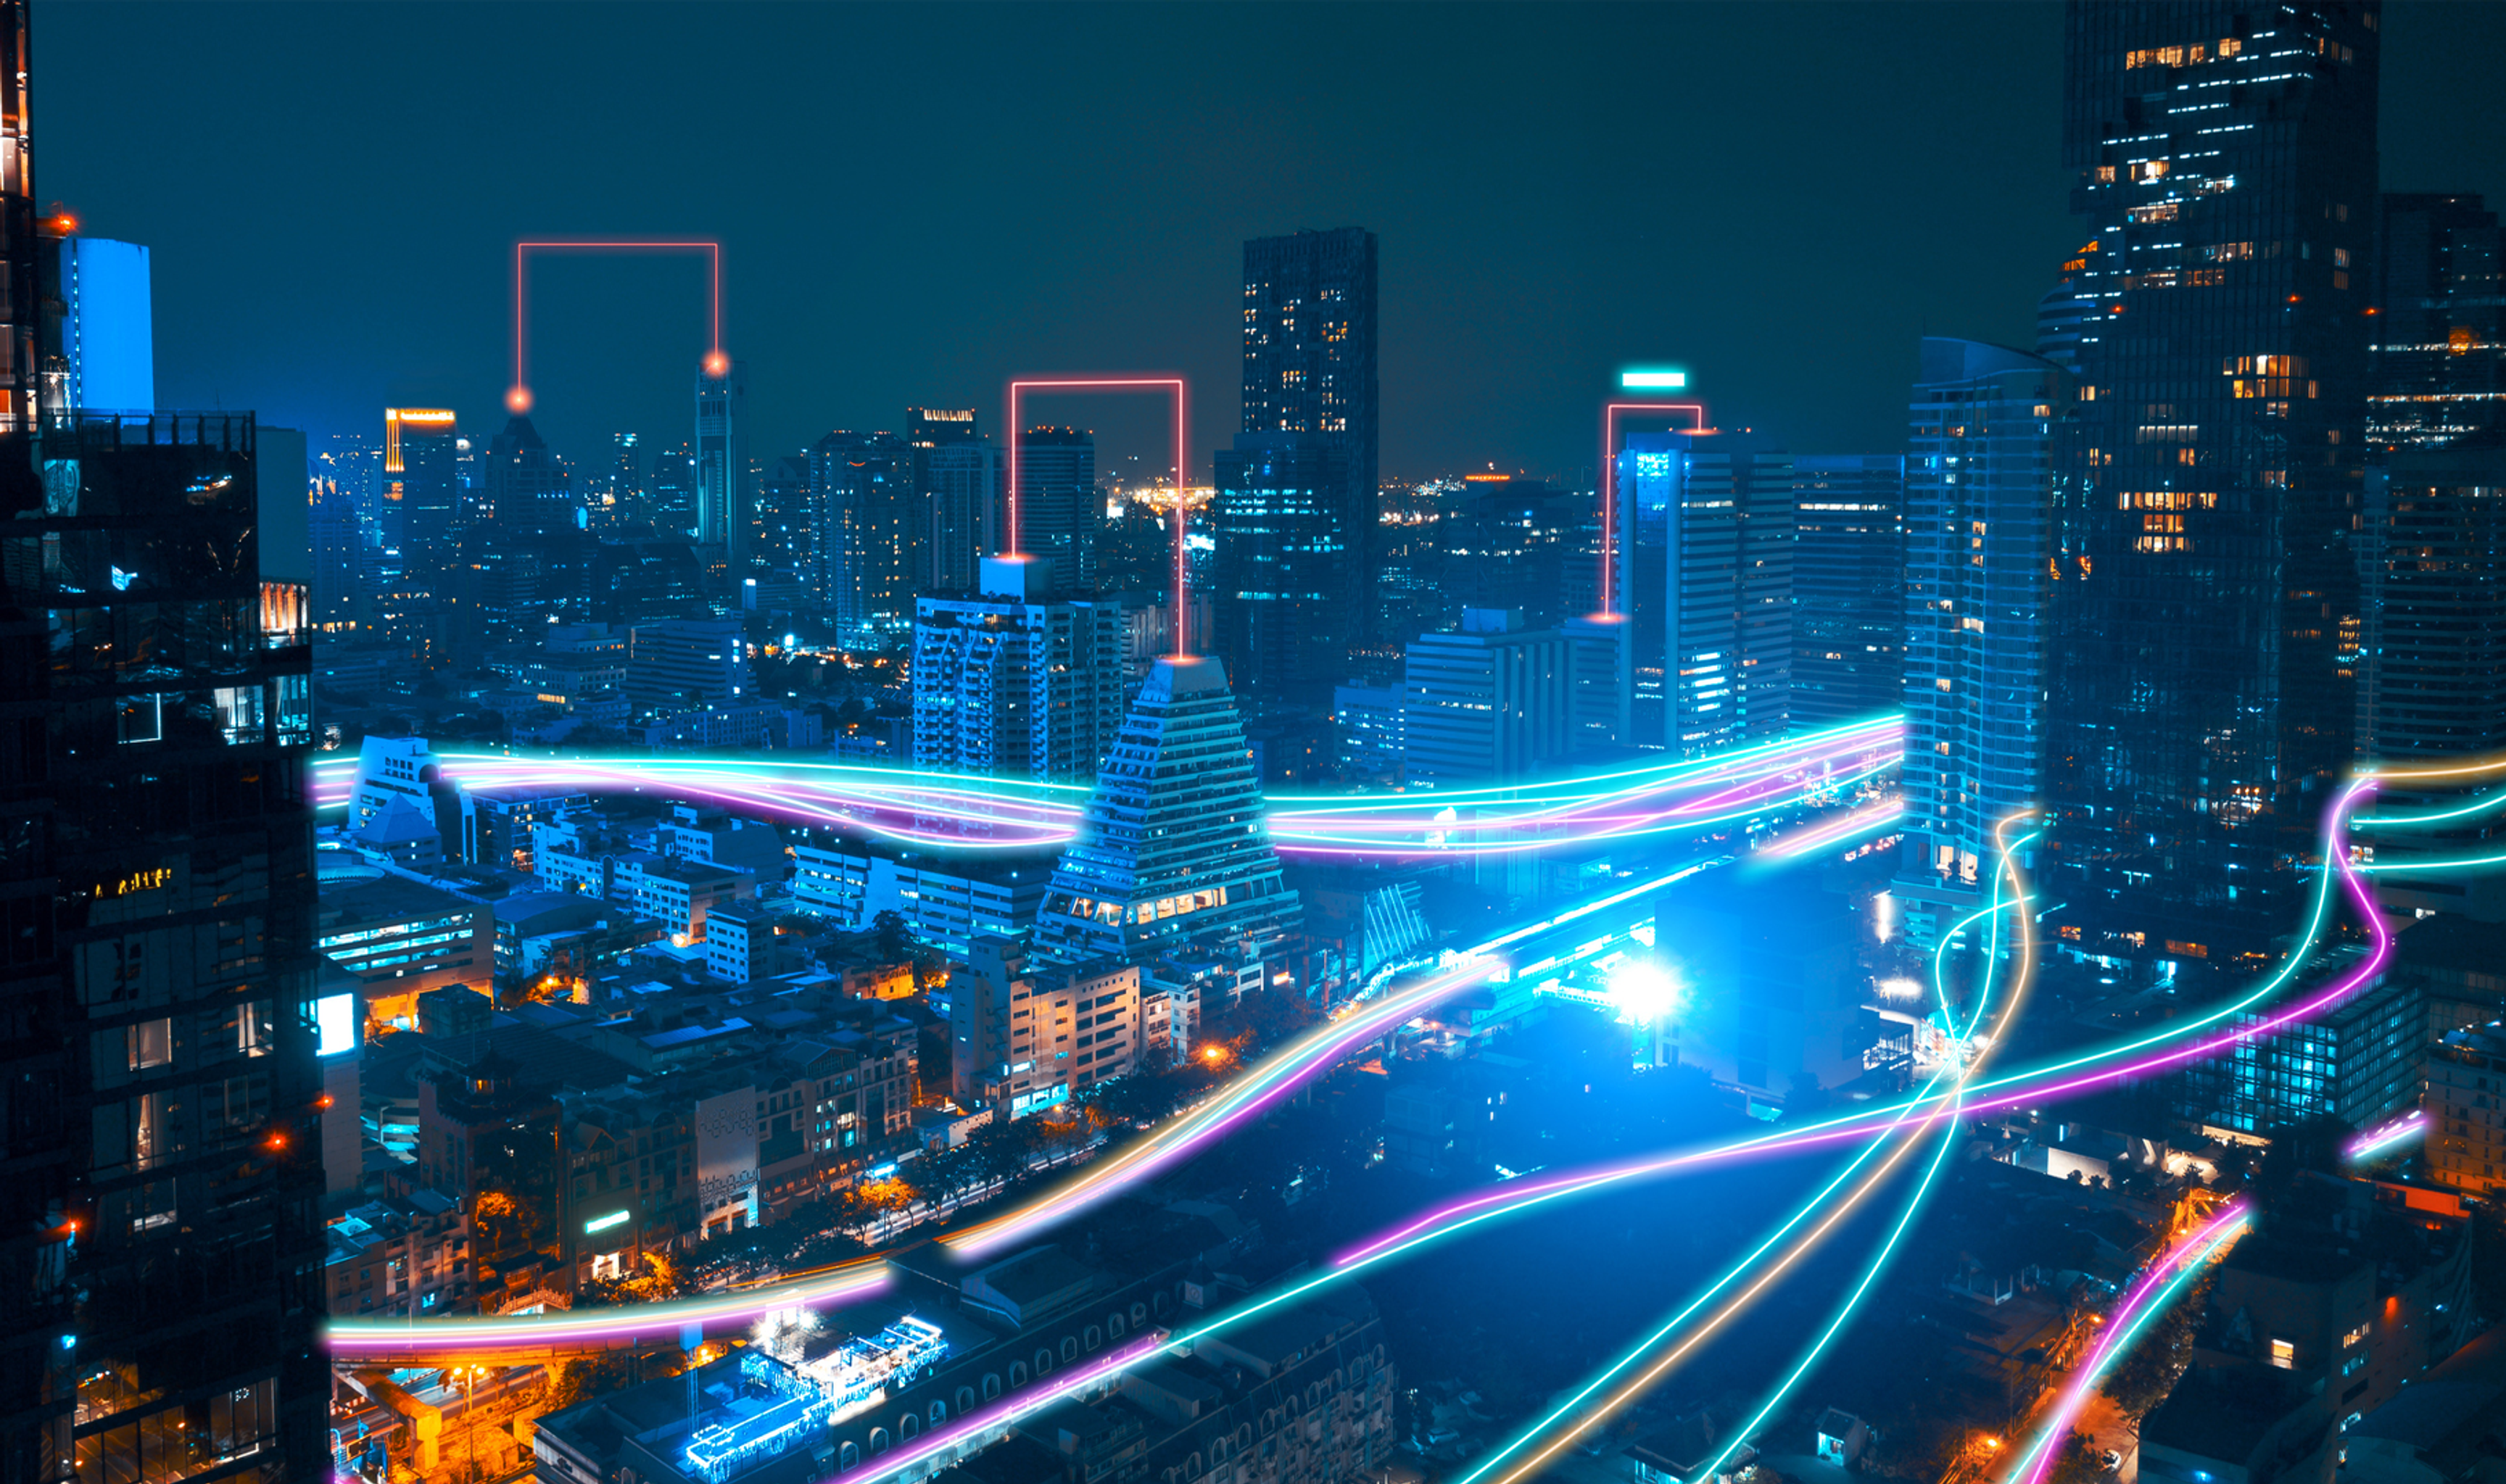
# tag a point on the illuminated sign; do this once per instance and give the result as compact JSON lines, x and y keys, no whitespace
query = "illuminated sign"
{"x":335,"y":1020}
{"x":603,"y":1223}
{"x":1653,"y":380}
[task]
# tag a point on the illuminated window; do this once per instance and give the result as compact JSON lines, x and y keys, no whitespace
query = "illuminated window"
{"x":2284,"y":1354}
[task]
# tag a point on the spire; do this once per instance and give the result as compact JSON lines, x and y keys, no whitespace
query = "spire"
{"x":1173,"y":849}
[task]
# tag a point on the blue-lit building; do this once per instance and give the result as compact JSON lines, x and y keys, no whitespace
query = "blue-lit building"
{"x":1173,"y":849}
{"x":1288,"y":586}
{"x":105,"y":348}
{"x":1979,"y":533}
{"x":1715,"y":509}
{"x":1310,"y":367}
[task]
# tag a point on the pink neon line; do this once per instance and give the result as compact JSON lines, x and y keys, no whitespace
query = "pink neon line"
{"x":521,"y":303}
{"x":1610,"y":482}
{"x":1522,"y":1192}
{"x":2076,"y":1395}
{"x":1182,"y":610}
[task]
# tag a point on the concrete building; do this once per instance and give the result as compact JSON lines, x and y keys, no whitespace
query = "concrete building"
{"x":2466,"y":1110}
{"x":399,"y":1256}
{"x":678,"y":895}
{"x":401,"y":939}
{"x":679,"y":661}
{"x":1486,"y":704}
{"x":1011,"y":683}
{"x":1024,"y":1037}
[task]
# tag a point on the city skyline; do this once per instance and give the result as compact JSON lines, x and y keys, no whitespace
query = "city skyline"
{"x":1857,"y":240}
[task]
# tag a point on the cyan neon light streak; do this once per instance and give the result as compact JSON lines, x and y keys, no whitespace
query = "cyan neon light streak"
{"x":2387,"y":1137}
{"x":1636,"y":1351}
{"x":946,"y":811}
{"x":1913,"y":1207}
{"x":1011,"y":1409}
{"x":2013,"y":1089}
{"x":2164,"y":1281}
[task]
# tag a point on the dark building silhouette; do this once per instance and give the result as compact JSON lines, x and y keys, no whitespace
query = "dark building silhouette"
{"x":161,"y":1237}
{"x":2224,"y":160}
{"x":1286,"y":593}
{"x":1310,"y":363}
{"x":957,"y":483}
{"x":2440,"y":336}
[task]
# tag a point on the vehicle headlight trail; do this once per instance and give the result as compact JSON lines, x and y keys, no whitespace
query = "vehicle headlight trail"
{"x":2156,"y":1291}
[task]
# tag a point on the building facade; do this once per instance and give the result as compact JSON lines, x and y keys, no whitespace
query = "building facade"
{"x":1848,"y":586}
{"x":1012,"y":682}
{"x":1979,"y":542}
{"x":2199,"y":711}
{"x":1289,"y":584}
{"x":1310,"y":366}
{"x":1487,"y":704}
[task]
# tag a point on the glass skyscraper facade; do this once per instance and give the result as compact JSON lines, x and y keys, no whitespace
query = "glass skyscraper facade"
{"x":1310,"y":365}
{"x":1722,"y":506}
{"x":2223,"y":159}
{"x":1848,"y":585}
{"x":1287,"y":593}
{"x":1979,"y":540}
{"x":163,"y":1252}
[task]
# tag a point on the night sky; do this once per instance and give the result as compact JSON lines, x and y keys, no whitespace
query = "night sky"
{"x":918,"y":202}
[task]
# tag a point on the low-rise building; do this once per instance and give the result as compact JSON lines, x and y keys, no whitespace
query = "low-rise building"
{"x":1026,"y":1037}
{"x":401,"y":939}
{"x":398,"y":1255}
{"x":2466,"y":1110}
{"x":678,"y":895}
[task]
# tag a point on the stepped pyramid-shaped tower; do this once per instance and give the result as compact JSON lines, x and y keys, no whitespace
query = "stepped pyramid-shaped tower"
{"x":1172,"y":851}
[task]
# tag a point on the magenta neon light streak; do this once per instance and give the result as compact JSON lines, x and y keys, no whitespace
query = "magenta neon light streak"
{"x":2377,"y":1140}
{"x":2122,"y":1326}
{"x":567,"y":1329}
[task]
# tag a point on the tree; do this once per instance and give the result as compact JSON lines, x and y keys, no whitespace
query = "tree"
{"x":895,"y":935}
{"x":503,"y":1221}
{"x":2148,"y":1372}
{"x":2077,"y":1462}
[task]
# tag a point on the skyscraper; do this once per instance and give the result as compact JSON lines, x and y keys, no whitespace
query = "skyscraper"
{"x":1979,"y":511}
{"x":863,"y":526}
{"x":2224,"y":161}
{"x":1057,"y":510}
{"x":1310,"y":367}
{"x":1848,"y":586}
{"x":722,"y":463}
{"x":420,"y":492}
{"x":2439,"y":351}
{"x":2432,"y":653}
{"x":1173,"y":849}
{"x":1726,"y":512}
{"x":158,"y":1080}
{"x":1011,"y":683}
{"x":958,"y":480}
{"x":1287,"y":596}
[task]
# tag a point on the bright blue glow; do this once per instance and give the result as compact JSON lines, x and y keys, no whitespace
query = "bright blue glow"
{"x":1653,"y":380}
{"x":603,"y":1223}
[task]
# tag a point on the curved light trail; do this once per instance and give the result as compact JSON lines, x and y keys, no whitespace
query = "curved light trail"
{"x":1946,"y":1118}
{"x":2385,"y":1138}
{"x":944,"y":811}
{"x":1321,"y":1049}
{"x":2158,"y":1289}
